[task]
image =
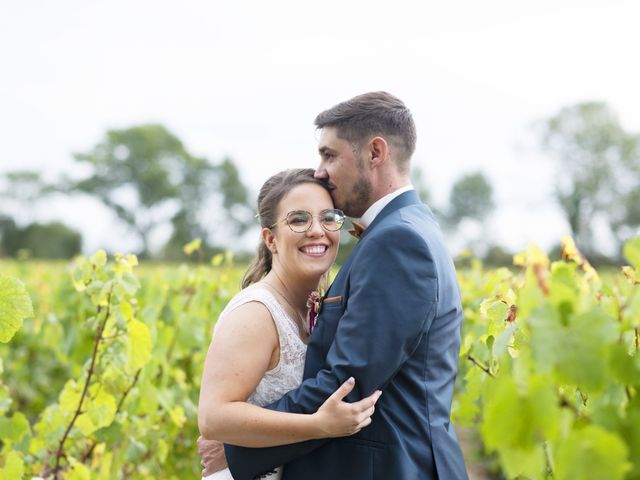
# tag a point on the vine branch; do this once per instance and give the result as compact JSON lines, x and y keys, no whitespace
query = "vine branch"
{"x":60,"y":453}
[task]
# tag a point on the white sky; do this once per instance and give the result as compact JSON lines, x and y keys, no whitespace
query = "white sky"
{"x":246,"y":79}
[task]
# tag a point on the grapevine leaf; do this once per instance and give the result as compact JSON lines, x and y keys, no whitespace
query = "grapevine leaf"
{"x":99,"y":413}
{"x":192,"y":246}
{"x":13,"y":467}
{"x":15,"y":306}
{"x":591,"y":452}
{"x":70,"y":397}
{"x":177,"y":416}
{"x":519,"y":462}
{"x":135,"y":450}
{"x":14,"y":428}
{"x":99,"y":259}
{"x":626,"y":367}
{"x":217,"y":260}
{"x":519,"y":419}
{"x":631,"y":252}
{"x":129,"y":283}
{"x":78,"y":471}
{"x":138,"y":346}
{"x":579,"y":351}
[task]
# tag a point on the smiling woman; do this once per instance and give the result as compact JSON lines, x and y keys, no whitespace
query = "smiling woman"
{"x":258,"y":349}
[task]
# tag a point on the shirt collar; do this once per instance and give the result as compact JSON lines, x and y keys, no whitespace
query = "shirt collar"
{"x":373,"y":211}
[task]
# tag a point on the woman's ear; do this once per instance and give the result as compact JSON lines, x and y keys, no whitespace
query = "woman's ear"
{"x":269,"y":240}
{"x":379,"y":151}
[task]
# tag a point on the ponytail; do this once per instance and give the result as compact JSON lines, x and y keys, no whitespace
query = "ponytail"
{"x":259,"y":267}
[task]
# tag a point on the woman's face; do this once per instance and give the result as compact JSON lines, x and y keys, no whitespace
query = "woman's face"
{"x":311,"y":253}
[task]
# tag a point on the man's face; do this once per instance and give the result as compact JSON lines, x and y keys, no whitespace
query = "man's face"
{"x":344,"y":167}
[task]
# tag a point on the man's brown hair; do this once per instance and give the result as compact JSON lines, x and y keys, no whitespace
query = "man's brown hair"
{"x":370,"y":114}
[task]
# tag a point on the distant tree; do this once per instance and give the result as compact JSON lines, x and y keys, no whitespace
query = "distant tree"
{"x":598,"y":171}
{"x":471,"y":197}
{"x":51,"y":240}
{"x":148,"y":178}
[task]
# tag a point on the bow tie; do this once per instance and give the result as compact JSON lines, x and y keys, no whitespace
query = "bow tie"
{"x":357,"y":229}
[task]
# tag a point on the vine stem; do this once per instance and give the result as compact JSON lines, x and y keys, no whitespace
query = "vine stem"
{"x":90,"y":450}
{"x":85,"y":390}
{"x":481,"y":366}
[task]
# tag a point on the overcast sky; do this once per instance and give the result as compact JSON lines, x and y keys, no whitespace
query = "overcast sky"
{"x":246,"y":79}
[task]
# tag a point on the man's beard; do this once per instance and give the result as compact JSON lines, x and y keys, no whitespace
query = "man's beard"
{"x":359,"y":199}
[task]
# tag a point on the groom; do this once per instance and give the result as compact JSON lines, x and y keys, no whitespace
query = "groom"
{"x":391,"y":318}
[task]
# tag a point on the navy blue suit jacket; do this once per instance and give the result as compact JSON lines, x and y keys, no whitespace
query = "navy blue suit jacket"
{"x":393,"y":324}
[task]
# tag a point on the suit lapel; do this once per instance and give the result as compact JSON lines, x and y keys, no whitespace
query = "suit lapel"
{"x":403,"y":200}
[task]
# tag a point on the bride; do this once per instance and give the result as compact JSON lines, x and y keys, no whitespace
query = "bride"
{"x":257,"y":352}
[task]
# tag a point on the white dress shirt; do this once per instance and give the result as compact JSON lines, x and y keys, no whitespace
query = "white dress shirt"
{"x":373,"y":211}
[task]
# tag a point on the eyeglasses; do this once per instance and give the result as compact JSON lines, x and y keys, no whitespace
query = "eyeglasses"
{"x":300,"y":221}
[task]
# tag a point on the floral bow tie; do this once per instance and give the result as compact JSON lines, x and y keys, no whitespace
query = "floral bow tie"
{"x":357,"y":229}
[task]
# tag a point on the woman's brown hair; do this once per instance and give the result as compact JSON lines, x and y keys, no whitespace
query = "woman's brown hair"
{"x":271,"y":193}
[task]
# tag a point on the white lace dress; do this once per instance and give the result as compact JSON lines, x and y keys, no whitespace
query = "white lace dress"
{"x":287,"y":375}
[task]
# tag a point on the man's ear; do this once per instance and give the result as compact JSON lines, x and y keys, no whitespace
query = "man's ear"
{"x":379,"y":151}
{"x":269,"y":239}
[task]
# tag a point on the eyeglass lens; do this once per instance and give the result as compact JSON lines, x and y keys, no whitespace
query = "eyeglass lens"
{"x":300,"y":221}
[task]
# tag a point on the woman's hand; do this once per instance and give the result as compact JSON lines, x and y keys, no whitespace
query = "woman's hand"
{"x":336,"y":418}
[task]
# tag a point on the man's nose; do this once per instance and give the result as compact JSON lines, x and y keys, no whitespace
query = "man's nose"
{"x":321,"y":173}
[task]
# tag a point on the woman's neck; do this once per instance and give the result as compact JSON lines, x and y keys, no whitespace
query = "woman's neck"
{"x":297,"y":290}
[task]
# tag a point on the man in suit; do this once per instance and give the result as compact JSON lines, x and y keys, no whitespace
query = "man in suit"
{"x":391,"y":318}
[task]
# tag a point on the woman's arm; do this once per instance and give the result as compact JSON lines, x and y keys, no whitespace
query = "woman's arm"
{"x":244,"y":347}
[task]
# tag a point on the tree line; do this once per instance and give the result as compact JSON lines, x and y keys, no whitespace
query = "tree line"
{"x":147,"y":177}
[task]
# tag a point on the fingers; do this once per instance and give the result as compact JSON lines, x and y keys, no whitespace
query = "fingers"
{"x":343,"y":390}
{"x":368,"y":402}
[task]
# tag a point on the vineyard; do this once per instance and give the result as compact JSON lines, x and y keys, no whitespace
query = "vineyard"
{"x":100,"y":366}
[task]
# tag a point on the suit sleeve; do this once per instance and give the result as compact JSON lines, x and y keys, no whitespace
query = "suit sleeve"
{"x":391,"y":303}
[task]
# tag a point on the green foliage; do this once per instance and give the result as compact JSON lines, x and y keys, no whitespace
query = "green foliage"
{"x":50,"y":240}
{"x":15,"y":306}
{"x":598,"y":170}
{"x":471,"y":197}
{"x":103,"y":381}
{"x":148,"y":178}
{"x":550,"y":367}
{"x":122,"y":354}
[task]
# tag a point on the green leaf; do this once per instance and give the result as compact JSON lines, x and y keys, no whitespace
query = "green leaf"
{"x":631,"y":252}
{"x":13,"y":467}
{"x":591,"y":453}
{"x":579,"y":351}
{"x":99,"y":412}
{"x":99,"y":259}
{"x":78,"y":471}
{"x":138,"y":346}
{"x":177,"y":416}
{"x":516,"y":417}
{"x":12,"y":429}
{"x":626,"y":367}
{"x":192,"y":246}
{"x":528,"y":463}
{"x":217,"y":260}
{"x":15,"y":306}
{"x":70,"y":397}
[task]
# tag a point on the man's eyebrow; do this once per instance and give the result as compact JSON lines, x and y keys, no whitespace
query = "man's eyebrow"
{"x":324,"y":150}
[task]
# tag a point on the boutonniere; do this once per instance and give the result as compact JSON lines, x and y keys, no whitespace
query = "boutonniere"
{"x":314,"y":302}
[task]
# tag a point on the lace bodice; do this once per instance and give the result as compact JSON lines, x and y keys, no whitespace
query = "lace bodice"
{"x":287,"y":375}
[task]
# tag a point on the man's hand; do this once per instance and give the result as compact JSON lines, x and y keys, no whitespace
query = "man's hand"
{"x":211,"y":456}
